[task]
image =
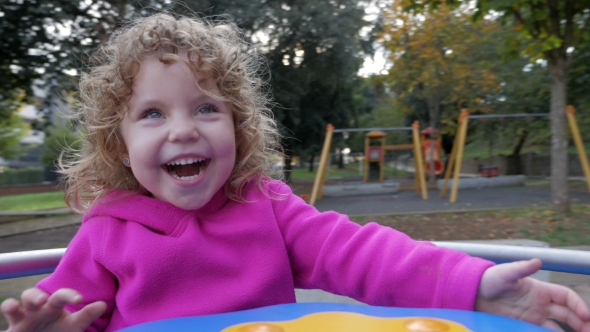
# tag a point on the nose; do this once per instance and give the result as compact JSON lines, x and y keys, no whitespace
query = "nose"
{"x":183,"y":131}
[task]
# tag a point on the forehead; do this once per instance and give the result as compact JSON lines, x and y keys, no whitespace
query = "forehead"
{"x":159,"y":65}
{"x":171,"y":78}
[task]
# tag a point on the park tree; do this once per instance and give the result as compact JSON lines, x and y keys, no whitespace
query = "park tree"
{"x":44,"y":42}
{"x":435,"y":57}
{"x":578,"y":82}
{"x":552,"y":30}
{"x":27,"y":46}
{"x":314,"y":51}
{"x":12,"y":129}
{"x":62,"y":139}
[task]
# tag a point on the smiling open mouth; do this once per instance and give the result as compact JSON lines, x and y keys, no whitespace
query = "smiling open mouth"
{"x":187,"y":169}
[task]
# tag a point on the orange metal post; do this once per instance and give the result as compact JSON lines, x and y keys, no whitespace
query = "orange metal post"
{"x":316,"y":192}
{"x":571,"y":117}
{"x":418,"y":160}
{"x":451,"y":164}
{"x":464,"y":120}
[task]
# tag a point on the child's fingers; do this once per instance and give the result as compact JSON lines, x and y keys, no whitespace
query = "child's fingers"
{"x":565,"y":315}
{"x":552,"y":325}
{"x":62,"y":297}
{"x":566,"y":297}
{"x":523,"y":269}
{"x":86,"y":315}
{"x":11,"y":310}
{"x":506,"y":275}
{"x":577,"y":305}
{"x":33,"y":299}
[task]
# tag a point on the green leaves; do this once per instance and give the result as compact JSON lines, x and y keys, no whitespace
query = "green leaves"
{"x":440,"y":57}
{"x":62,"y":139}
{"x":12,"y":129}
{"x":319,"y":41}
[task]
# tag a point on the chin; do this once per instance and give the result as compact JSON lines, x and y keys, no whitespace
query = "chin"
{"x":191,"y":204}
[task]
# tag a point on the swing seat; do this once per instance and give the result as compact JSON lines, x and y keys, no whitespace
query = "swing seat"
{"x":489,"y":171}
{"x":439,"y":167}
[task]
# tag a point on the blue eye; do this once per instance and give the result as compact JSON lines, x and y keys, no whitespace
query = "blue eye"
{"x":206,"y":109}
{"x":152,"y":113}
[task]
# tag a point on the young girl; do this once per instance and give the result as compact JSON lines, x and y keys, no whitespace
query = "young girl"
{"x":181,"y":219}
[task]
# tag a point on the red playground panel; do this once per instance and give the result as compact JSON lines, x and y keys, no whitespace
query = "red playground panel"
{"x":489,"y":171}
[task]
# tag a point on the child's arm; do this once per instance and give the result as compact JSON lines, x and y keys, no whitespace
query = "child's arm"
{"x":42,"y":312}
{"x":507,"y":289}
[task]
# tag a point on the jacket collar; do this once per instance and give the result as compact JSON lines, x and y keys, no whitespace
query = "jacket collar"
{"x":163,"y":217}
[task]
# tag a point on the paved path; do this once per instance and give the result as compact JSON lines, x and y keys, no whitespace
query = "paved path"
{"x":469,"y":199}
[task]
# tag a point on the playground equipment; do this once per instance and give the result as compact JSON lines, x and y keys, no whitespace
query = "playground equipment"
{"x":35,"y":262}
{"x":340,"y":317}
{"x":373,"y":162}
{"x":457,"y":152}
{"x":431,"y":146}
{"x":374,"y":156}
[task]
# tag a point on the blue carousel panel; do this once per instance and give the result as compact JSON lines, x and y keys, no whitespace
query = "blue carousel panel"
{"x":290,"y":318}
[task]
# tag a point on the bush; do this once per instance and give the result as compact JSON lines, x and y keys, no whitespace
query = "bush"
{"x":26,"y":175}
{"x":61,"y":138}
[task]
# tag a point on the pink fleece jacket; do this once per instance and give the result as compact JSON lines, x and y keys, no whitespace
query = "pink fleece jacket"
{"x":149,"y":260}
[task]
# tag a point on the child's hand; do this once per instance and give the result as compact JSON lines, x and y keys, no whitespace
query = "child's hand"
{"x":506,"y":289}
{"x":40,"y":312}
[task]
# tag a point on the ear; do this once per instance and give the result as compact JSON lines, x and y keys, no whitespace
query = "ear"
{"x":125,"y":159}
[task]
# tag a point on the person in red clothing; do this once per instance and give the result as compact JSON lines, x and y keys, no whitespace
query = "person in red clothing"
{"x":174,"y":179}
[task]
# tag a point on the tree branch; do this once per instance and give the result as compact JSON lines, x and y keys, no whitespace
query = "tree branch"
{"x":517,"y":15}
{"x":576,"y":39}
{"x":554,"y":20}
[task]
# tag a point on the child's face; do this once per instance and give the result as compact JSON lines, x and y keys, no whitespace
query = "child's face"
{"x":179,"y":141}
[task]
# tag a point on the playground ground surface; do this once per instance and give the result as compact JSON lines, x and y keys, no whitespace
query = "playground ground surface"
{"x":529,"y":215}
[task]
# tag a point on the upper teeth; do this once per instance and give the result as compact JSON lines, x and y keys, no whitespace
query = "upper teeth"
{"x":185,"y":161}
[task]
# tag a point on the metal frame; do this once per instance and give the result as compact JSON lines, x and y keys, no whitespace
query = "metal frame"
{"x":318,"y":184}
{"x":457,"y":153}
{"x":27,"y":263}
{"x":356,"y":130}
{"x":516,"y":115}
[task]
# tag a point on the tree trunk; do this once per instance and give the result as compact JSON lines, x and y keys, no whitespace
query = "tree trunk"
{"x":340,"y":159}
{"x":513,"y":162}
{"x":557,"y":64}
{"x":521,"y":140}
{"x":311,"y":158}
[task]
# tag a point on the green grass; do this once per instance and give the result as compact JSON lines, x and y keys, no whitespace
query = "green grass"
{"x":302,"y":173}
{"x":560,"y":229}
{"x":32,"y":202}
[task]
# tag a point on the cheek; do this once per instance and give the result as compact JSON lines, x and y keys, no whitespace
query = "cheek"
{"x":229,"y":146}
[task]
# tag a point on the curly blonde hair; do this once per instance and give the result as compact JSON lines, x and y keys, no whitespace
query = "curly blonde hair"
{"x":216,"y":49}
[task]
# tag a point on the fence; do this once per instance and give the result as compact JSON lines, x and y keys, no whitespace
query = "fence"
{"x":529,"y":164}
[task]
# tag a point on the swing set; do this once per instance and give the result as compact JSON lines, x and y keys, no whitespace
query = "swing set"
{"x":373,"y":157}
{"x":456,"y":158}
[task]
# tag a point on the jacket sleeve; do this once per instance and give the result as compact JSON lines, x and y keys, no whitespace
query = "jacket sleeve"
{"x":81,"y":270}
{"x":373,"y":264}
